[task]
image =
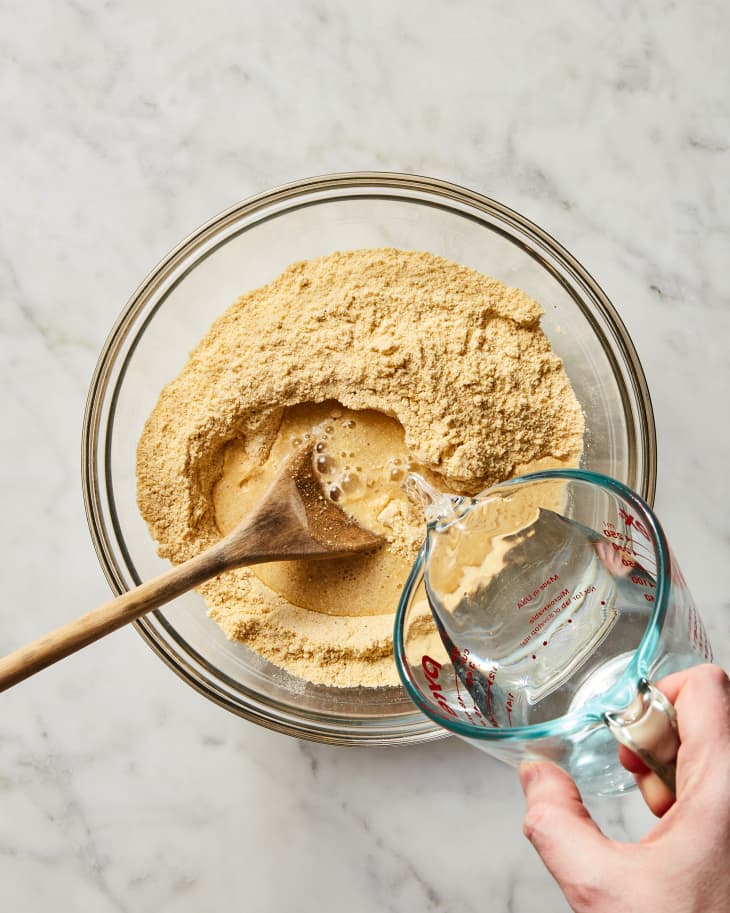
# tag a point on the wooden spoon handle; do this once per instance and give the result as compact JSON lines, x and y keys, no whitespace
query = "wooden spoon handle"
{"x":74,"y":635}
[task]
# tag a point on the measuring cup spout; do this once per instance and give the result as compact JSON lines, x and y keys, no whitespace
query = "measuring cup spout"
{"x":436,"y":505}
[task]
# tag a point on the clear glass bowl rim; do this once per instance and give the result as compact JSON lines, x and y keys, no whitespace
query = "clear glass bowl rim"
{"x":352,"y":185}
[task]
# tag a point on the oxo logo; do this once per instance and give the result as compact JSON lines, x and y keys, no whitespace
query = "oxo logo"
{"x":432,"y":669}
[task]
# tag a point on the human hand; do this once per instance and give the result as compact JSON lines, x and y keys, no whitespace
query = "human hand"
{"x":681,"y":865}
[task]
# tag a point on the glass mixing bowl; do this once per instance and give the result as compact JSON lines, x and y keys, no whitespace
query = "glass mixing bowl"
{"x":248,"y":246}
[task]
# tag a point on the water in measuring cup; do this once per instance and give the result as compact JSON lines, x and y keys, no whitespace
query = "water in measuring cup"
{"x":540,"y":621}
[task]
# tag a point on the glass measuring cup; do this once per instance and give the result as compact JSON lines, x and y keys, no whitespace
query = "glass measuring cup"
{"x":537,"y":617}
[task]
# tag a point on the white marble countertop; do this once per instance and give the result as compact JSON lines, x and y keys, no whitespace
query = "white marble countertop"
{"x":123,"y":126}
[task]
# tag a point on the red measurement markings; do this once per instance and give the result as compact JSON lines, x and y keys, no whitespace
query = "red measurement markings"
{"x":547,"y":606}
{"x":549,"y":581}
{"x":676,"y":574}
{"x":631,"y":520}
{"x":556,"y":610}
{"x":626,"y":549}
{"x":509,"y":705}
{"x":647,"y":559}
{"x":610,"y":532}
{"x":489,"y":683}
{"x":629,"y":543}
{"x":627,"y":555}
{"x":459,"y":659}
{"x":643,"y":581}
{"x":697,"y":634}
{"x":431,"y":669}
{"x":581,"y":594}
{"x":456,"y":660}
{"x":490,"y":679}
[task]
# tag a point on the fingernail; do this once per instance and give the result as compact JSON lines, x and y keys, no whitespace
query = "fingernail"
{"x":529,"y":772}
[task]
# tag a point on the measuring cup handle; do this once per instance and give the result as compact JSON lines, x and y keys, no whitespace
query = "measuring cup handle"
{"x":648,"y":727}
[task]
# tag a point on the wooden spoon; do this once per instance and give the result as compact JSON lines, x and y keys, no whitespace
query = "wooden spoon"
{"x":294,"y":520}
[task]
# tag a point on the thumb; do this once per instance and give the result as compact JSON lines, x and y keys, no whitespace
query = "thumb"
{"x":560,"y":827}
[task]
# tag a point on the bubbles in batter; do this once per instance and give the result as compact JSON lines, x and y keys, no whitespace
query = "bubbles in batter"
{"x":351,"y":483}
{"x":325,"y":464}
{"x":396,"y":469}
{"x":355,"y":456}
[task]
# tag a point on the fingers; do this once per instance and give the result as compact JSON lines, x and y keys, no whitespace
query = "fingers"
{"x":630,"y":761}
{"x":558,"y":824}
{"x":657,"y":796}
{"x":701,"y":696}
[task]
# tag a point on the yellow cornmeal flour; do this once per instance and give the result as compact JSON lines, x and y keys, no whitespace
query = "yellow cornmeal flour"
{"x":395,"y":358}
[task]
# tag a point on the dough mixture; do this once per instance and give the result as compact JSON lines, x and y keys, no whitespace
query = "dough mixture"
{"x":389,"y":360}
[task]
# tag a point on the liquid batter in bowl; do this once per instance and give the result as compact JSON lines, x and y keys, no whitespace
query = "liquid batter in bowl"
{"x":362,"y":459}
{"x":390,"y":360}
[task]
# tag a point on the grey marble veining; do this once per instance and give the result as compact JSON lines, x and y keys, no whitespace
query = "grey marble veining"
{"x":123,"y":126}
